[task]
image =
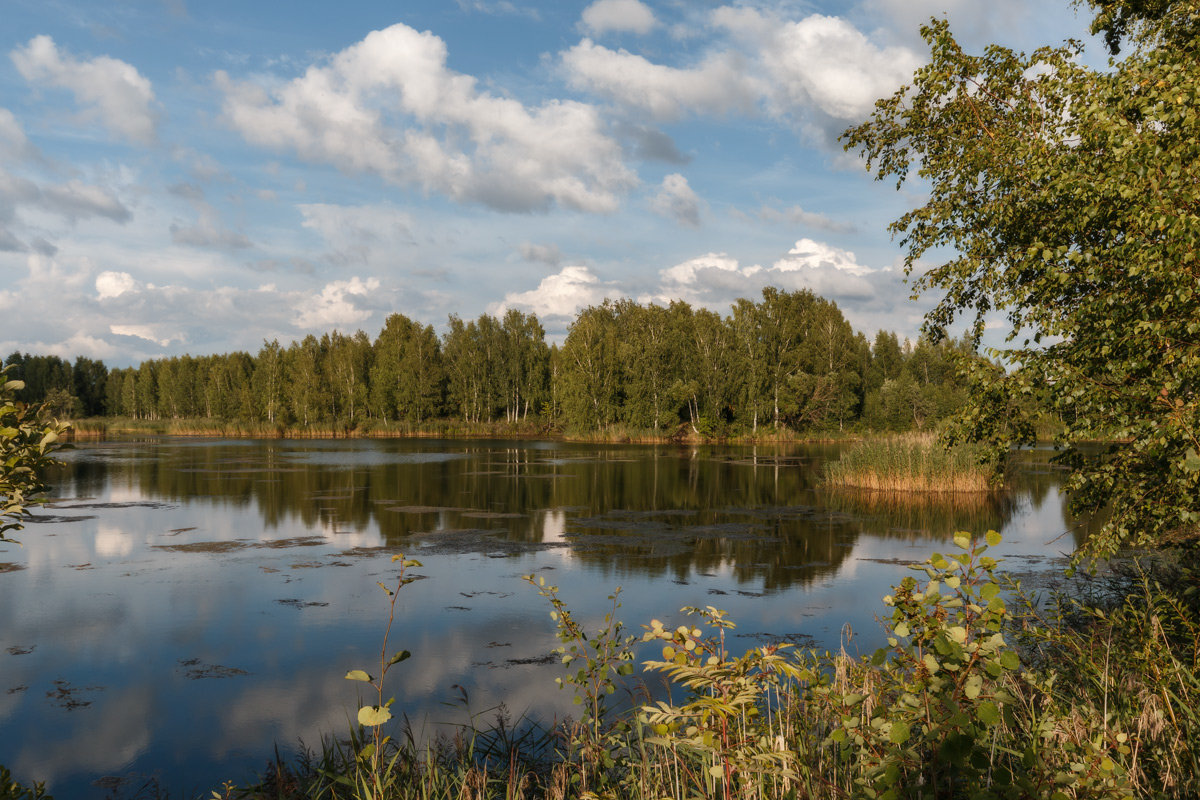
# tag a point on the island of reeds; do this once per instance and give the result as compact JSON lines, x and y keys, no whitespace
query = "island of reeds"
{"x":914,"y":463}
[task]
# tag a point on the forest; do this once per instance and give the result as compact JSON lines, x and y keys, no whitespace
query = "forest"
{"x":789,"y":361}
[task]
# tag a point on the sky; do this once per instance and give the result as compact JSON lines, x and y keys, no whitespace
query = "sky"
{"x":179,"y":176}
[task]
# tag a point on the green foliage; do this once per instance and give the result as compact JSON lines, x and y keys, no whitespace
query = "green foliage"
{"x":27,"y":440}
{"x":10,"y":789}
{"x":1068,"y":197}
{"x":599,"y":659}
{"x":946,"y":709}
{"x":727,"y":727}
{"x":378,"y":762}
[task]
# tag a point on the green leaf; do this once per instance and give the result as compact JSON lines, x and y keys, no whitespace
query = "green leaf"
{"x":962,"y":540}
{"x":358,"y":675}
{"x":899,"y":733}
{"x":993,"y":539}
{"x":987,"y":712}
{"x":402,"y":655}
{"x":1009,"y":660}
{"x":373,"y":716}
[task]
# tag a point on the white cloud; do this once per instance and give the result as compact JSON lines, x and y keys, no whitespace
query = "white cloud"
{"x":107,"y":89}
{"x":676,"y":200}
{"x":795,"y":215}
{"x":335,"y":306}
{"x":114,"y":284}
{"x":820,"y":62}
{"x":715,"y":280}
{"x":389,"y":105}
{"x":559,"y":296}
{"x":151,"y":333}
{"x":819,"y":65}
{"x":719,"y":85}
{"x":621,"y":16}
{"x":75,"y":199}
{"x":13,"y":143}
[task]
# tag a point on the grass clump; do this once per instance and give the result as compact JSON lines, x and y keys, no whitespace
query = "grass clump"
{"x":914,"y":463}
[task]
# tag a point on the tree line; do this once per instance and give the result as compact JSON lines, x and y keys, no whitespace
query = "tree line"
{"x":788,"y":360}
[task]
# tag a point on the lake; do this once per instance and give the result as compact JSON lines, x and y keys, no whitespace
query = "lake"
{"x":185,"y":605}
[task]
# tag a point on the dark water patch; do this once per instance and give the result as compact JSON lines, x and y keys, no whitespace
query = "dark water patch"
{"x":54,"y":519}
{"x":204,"y":547}
{"x":306,"y":565}
{"x":897,"y":562}
{"x":80,"y":566}
{"x":295,"y":541}
{"x":71,"y":698}
{"x":423,"y":509}
{"x":768,"y":638}
{"x":296,"y":602}
{"x":547,"y":658}
{"x":10,"y":566}
{"x":177,"y":531}
{"x":228,"y":546}
{"x":768,"y":461}
{"x":17,"y":689}
{"x":18,"y":650}
{"x":498,"y":644}
{"x":457,"y":608}
{"x":125,"y":504}
{"x":194,"y":669}
{"x":493,"y":515}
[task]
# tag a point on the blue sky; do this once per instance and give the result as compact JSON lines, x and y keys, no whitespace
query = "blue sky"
{"x":185,"y":176}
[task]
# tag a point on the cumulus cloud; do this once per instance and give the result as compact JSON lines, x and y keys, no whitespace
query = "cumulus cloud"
{"x":822,"y":62}
{"x":389,"y":105}
{"x":114,"y":284}
{"x":676,"y":200}
{"x":156,"y":334}
{"x":107,"y":90}
{"x":716,"y":279}
{"x":619,"y":16}
{"x":560,"y":296}
{"x":795,"y":215}
{"x":719,"y":85}
{"x":338,"y":305}
{"x":818,"y":67}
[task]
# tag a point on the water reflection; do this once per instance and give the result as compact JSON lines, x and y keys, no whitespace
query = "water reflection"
{"x":185,"y":605}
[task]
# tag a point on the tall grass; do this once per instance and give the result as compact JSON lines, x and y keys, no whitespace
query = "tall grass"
{"x":911,"y":463}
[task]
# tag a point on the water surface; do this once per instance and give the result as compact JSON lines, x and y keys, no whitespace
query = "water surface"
{"x":185,"y":605}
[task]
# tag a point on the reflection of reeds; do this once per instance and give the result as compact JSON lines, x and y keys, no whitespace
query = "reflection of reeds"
{"x":916,"y":463}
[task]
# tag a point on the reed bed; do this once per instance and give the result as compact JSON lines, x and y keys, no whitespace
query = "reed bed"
{"x":916,"y":463}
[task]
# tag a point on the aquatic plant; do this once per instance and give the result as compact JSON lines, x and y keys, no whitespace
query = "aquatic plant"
{"x":913,"y":463}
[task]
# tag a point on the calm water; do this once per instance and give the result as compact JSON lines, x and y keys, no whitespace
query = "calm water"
{"x":183,"y":606}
